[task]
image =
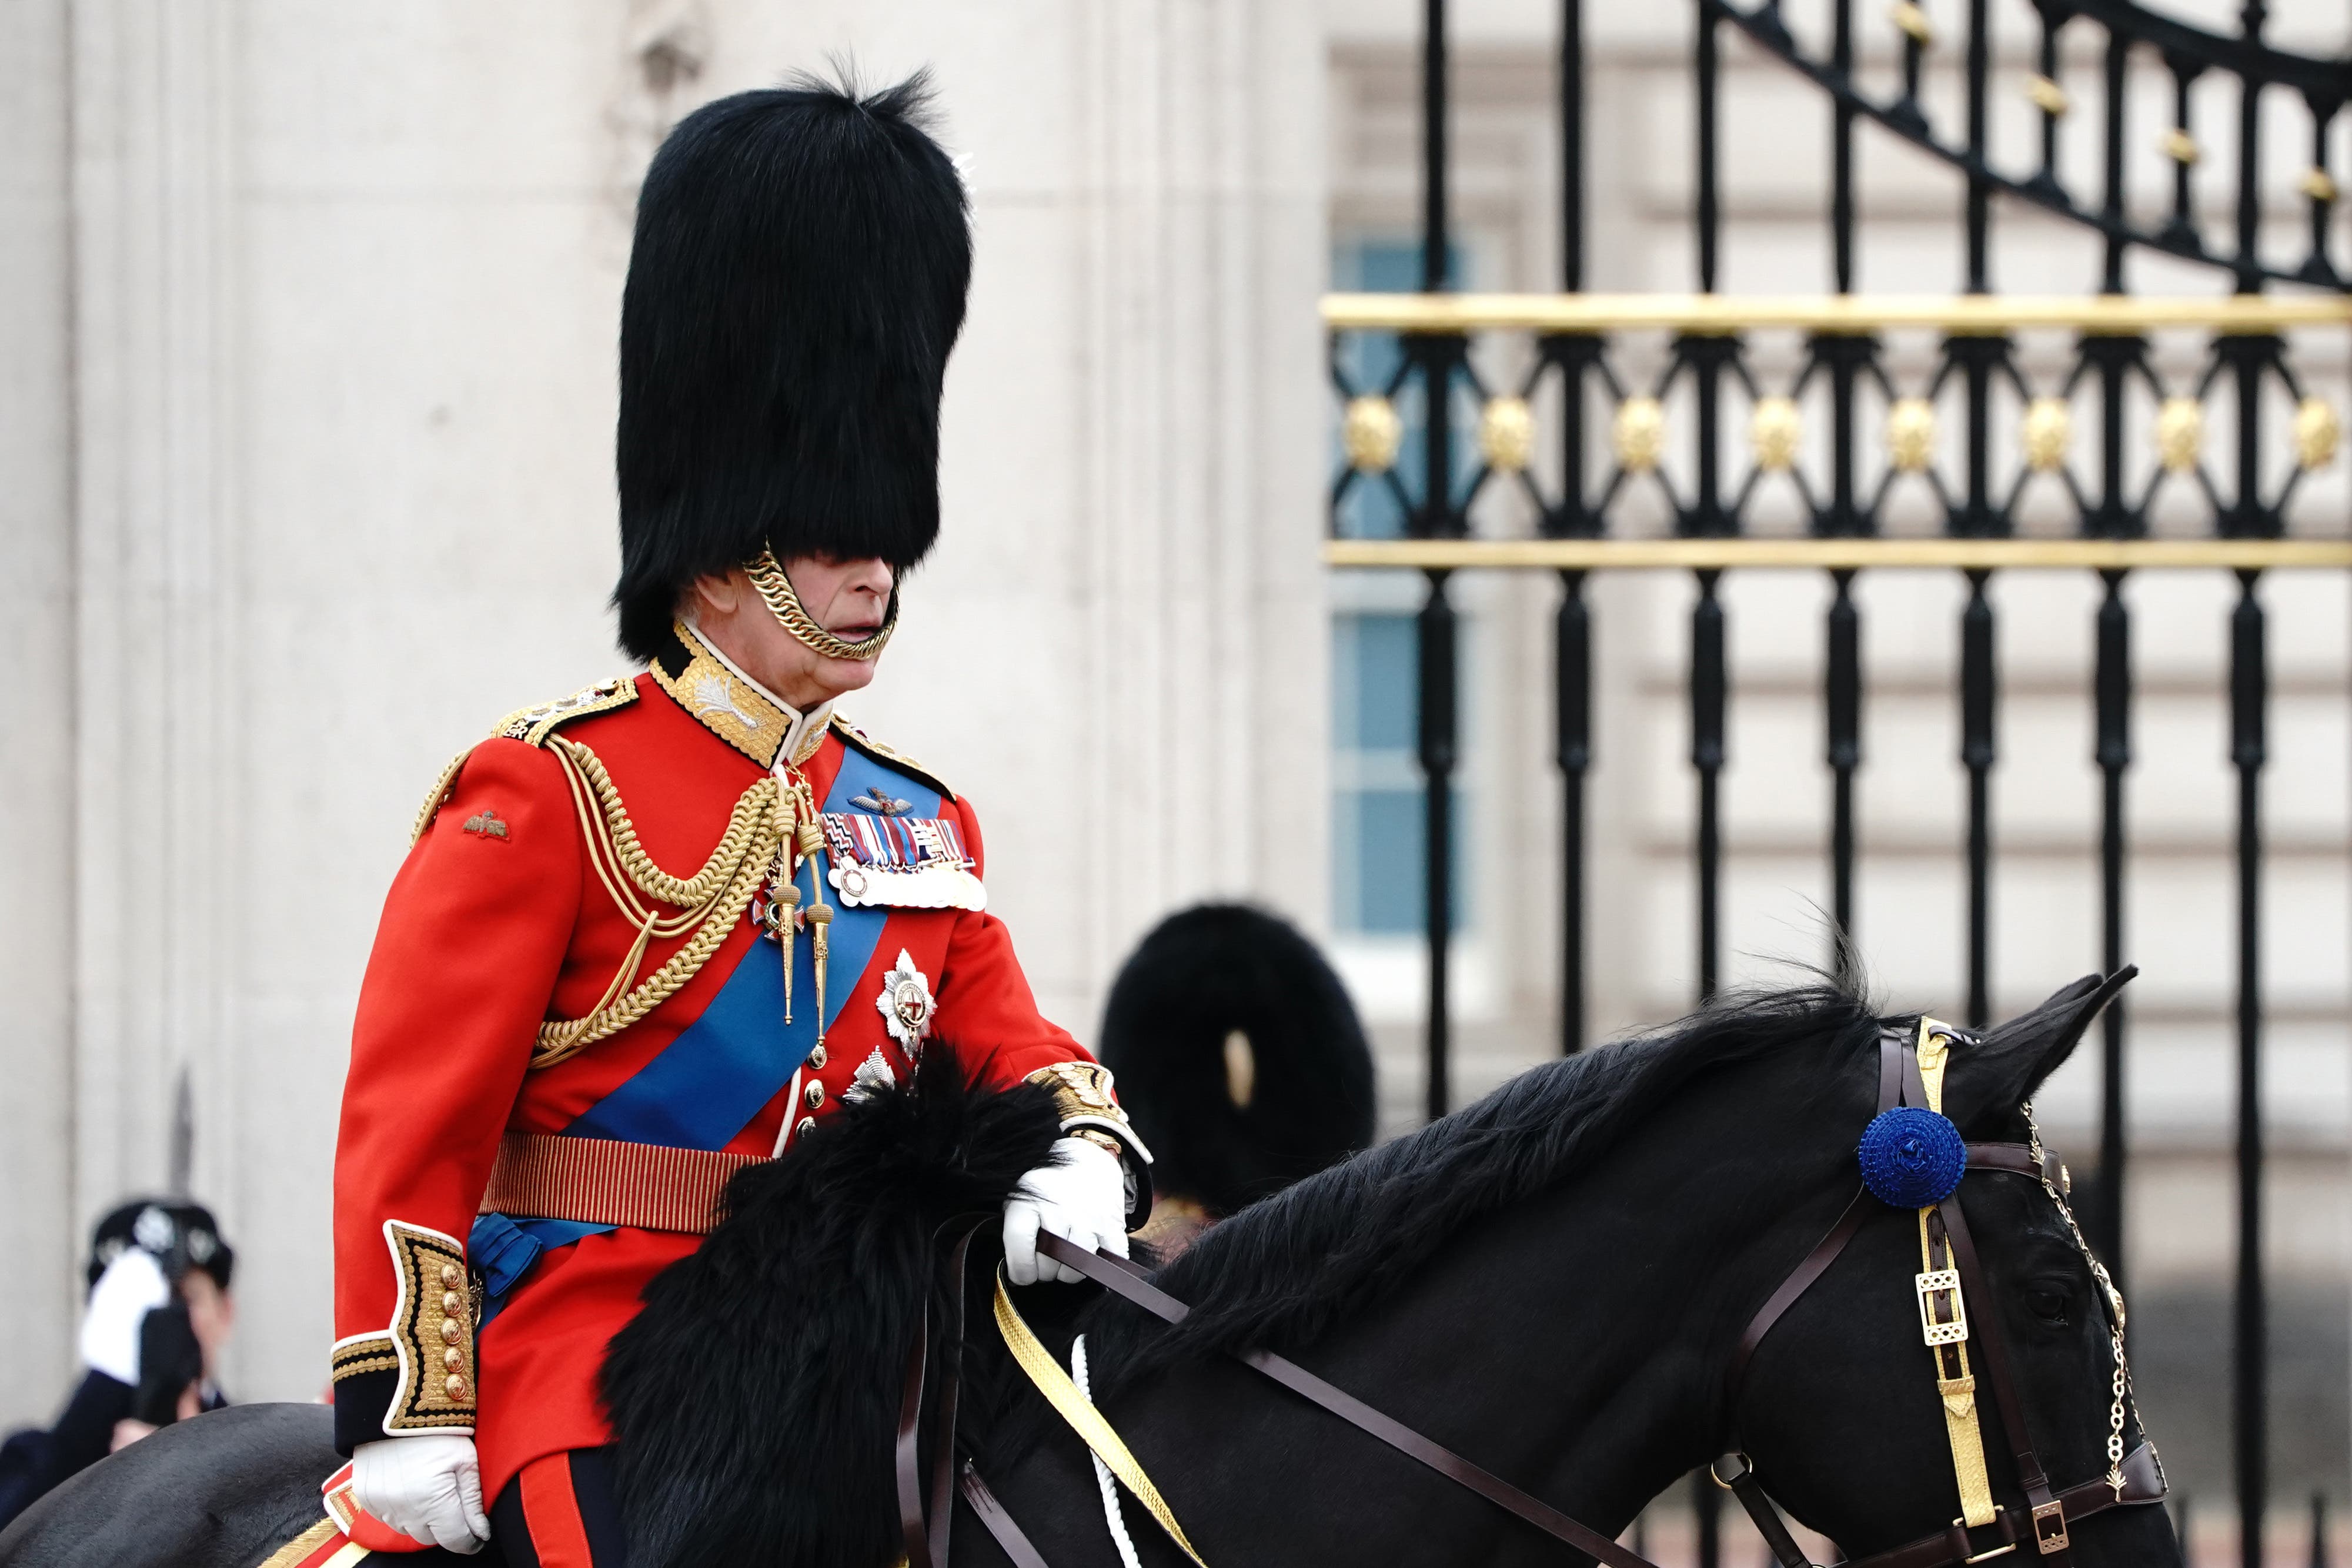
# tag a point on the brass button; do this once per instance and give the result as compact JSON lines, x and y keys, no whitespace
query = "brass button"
{"x":452,"y":1276}
{"x":453,"y":1359}
{"x":452,"y":1330}
{"x":452,"y":1303}
{"x":456,"y":1388}
{"x":808,"y":1125}
{"x":815,"y":1095}
{"x":817,"y":1058}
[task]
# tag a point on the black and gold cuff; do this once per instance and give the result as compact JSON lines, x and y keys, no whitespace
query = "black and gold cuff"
{"x":432,"y":1334}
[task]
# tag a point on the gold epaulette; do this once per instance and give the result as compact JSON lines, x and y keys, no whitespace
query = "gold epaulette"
{"x":866,"y":743}
{"x":531,"y":725}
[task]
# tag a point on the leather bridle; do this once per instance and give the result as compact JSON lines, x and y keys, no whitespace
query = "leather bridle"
{"x":2045,"y":1521}
{"x":2132,"y":1479}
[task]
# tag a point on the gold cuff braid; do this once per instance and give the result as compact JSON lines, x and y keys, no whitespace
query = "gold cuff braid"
{"x":1082,"y":1093}
{"x":432,"y":1333}
{"x":1080,"y":1089}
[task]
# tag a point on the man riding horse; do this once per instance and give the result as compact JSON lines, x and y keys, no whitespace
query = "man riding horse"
{"x":653,"y":932}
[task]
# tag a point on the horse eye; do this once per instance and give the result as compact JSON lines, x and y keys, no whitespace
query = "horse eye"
{"x":2050,"y":1306}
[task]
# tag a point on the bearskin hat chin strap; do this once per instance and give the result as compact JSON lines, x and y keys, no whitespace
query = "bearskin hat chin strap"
{"x":776,"y":588}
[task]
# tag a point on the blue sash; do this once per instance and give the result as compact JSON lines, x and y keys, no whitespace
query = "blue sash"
{"x":706,"y":1085}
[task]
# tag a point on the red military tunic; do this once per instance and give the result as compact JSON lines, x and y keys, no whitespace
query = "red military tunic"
{"x":504,"y":917}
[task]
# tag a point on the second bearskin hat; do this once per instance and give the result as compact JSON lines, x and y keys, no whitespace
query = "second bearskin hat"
{"x":1238,"y":1055}
{"x":797,"y":278}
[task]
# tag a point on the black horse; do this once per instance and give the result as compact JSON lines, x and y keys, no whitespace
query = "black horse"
{"x":1551,"y":1282}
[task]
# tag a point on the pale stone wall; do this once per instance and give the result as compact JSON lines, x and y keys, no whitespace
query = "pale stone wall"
{"x":334,"y":401}
{"x":36,"y":773}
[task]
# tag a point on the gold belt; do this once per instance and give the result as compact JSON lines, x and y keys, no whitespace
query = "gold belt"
{"x":602,"y":1181}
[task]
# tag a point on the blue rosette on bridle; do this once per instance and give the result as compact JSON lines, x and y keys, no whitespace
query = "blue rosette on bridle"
{"x":1912,"y":1157}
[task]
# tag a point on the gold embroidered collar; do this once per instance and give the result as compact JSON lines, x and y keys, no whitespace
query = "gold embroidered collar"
{"x":731,"y":705}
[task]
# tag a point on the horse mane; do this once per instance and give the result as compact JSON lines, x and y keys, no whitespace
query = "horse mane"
{"x":1284,"y":1271}
{"x":754,"y":1401}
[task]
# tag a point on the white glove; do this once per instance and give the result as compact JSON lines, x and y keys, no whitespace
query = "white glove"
{"x":428,"y":1488}
{"x":1080,"y":1194}
{"x":131,"y":1287}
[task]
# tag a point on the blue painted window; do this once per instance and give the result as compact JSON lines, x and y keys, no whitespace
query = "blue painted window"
{"x":1379,"y":835}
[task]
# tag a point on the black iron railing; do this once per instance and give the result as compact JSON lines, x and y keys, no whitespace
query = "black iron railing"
{"x":1971,"y":438}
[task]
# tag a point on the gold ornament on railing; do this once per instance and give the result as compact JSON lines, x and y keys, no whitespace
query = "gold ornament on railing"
{"x":2318,"y":432}
{"x":1774,"y":433}
{"x":2047,"y":430}
{"x":1370,"y":433}
{"x":1913,"y":22}
{"x":1638,"y":435}
{"x":2180,"y":434}
{"x":1911,"y":435}
{"x":2179,"y":146}
{"x":1507,"y":433}
{"x":2319,"y":184}
{"x":2047,"y":95}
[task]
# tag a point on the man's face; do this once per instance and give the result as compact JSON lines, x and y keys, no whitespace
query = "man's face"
{"x":850,"y":599}
{"x":212,"y":1313}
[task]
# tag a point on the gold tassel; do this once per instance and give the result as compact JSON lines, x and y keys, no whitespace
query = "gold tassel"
{"x":820,"y":919}
{"x":810,"y":840}
{"x":784,"y":919}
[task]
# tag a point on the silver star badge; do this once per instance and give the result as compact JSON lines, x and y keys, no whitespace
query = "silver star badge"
{"x":906,"y":1005}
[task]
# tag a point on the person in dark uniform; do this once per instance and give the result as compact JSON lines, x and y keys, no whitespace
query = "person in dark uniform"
{"x":159,"y":1313}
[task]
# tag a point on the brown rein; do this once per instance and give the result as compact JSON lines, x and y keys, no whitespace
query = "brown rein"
{"x":2141,"y":1475}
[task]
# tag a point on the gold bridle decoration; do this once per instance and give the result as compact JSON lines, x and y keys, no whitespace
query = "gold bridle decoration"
{"x":776,"y":589}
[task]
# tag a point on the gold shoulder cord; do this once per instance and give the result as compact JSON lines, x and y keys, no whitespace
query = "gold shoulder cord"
{"x":434,"y":802}
{"x":1084,"y":1418}
{"x":709,"y":902}
{"x":1947,"y":1336}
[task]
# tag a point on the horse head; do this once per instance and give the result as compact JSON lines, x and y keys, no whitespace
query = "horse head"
{"x":1841,"y":1412}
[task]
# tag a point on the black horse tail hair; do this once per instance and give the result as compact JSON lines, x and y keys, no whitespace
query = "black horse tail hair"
{"x":1238,"y":1055}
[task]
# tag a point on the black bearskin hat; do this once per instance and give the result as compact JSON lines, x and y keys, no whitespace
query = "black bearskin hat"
{"x":1292,"y":1093}
{"x":797,"y":279}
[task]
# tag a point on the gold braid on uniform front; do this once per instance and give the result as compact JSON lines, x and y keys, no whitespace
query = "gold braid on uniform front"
{"x":709,"y":902}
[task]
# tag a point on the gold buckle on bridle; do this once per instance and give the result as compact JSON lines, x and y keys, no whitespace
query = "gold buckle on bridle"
{"x":1942,"y":1282}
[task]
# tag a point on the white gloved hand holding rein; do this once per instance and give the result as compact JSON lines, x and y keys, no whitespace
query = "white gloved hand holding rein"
{"x":1079,"y":1194}
{"x":428,"y":1488}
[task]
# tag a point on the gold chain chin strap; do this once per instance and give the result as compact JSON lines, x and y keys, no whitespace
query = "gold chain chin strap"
{"x":713,"y":899}
{"x":2121,"y":1410}
{"x":776,"y":588}
{"x":1084,"y":1418}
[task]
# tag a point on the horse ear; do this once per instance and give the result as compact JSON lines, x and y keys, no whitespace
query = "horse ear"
{"x":2015,"y":1059}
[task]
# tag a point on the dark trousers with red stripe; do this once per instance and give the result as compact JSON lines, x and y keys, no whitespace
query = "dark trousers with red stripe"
{"x":561,"y":1513}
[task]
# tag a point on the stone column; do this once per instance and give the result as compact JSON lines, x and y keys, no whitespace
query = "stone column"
{"x":37,"y":1221}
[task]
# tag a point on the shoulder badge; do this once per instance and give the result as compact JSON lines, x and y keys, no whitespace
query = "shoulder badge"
{"x":532,"y":725}
{"x":866,"y":743}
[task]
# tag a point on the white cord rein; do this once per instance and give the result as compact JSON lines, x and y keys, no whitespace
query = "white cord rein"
{"x":1111,"y":1513}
